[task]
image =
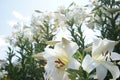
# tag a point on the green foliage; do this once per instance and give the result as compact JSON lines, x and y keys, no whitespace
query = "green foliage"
{"x":21,"y":64}
{"x":78,"y":37}
{"x":79,"y":74}
{"x":25,"y":67}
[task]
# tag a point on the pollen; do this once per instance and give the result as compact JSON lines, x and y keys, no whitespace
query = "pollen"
{"x":61,"y":63}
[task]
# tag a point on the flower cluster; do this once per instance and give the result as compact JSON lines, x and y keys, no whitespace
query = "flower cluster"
{"x":61,"y":58}
{"x":3,"y":73}
{"x":44,"y":23}
{"x":58,"y":40}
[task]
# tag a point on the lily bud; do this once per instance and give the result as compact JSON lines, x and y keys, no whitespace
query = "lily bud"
{"x":113,"y":10}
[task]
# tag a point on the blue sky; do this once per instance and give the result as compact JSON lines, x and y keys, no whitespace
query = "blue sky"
{"x":18,"y":10}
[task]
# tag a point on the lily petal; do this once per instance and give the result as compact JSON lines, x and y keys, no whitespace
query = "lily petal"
{"x":65,"y":77}
{"x":74,"y":64}
{"x":69,"y":46}
{"x":115,"y":56}
{"x":95,"y":46}
{"x":101,"y":72}
{"x":53,"y":73}
{"x":110,"y":44}
{"x":89,"y":64}
{"x":49,"y":54}
{"x":52,"y":42}
{"x":113,"y":69}
{"x":101,"y":46}
{"x":39,"y":56}
{"x":65,"y":41}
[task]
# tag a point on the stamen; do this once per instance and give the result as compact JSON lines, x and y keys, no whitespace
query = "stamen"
{"x":111,"y":59}
{"x":59,"y":64}
{"x":105,"y":53}
{"x":106,"y":58}
{"x":58,"y":61}
{"x":110,"y":53}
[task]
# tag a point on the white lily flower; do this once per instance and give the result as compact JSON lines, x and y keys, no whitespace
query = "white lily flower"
{"x":3,"y":63}
{"x":102,"y":57}
{"x":59,"y":59}
{"x":3,"y":73}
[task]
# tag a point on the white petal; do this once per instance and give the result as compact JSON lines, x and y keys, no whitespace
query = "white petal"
{"x":52,"y":43}
{"x":49,"y":54}
{"x":74,"y":64}
{"x":119,"y":63}
{"x":65,"y":77}
{"x":89,"y":64}
{"x":65,"y":41}
{"x":69,"y":47}
{"x":113,"y":69}
{"x":115,"y":56}
{"x":48,"y":71}
{"x":97,"y":47}
{"x":88,"y":49}
{"x":101,"y":72}
{"x":39,"y":56}
{"x":96,"y":41}
{"x":102,"y":46}
{"x":110,"y":44}
{"x":51,"y":72}
{"x":58,"y":75}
